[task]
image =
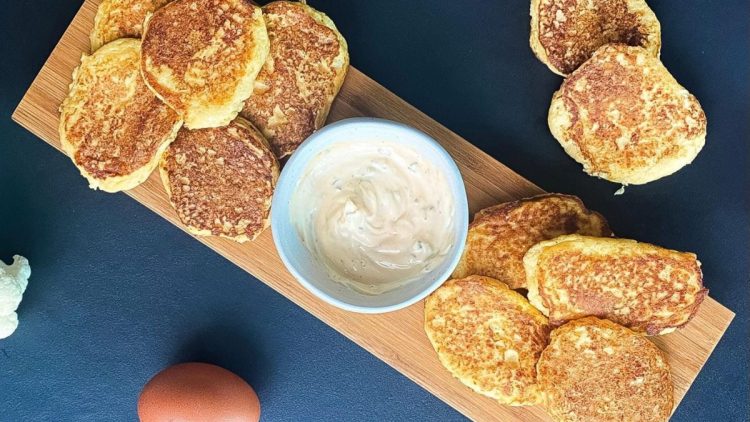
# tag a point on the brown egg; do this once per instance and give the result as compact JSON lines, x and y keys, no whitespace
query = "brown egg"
{"x":198,"y":392}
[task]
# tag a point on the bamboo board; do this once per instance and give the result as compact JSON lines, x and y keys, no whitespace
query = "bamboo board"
{"x":397,"y":338}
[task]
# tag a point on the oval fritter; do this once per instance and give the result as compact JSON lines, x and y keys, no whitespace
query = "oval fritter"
{"x":111,"y":125}
{"x":221,"y":180}
{"x":202,"y":56}
{"x":304,"y":72}
{"x":117,"y":19}
{"x":565,"y":33}
{"x":488,"y":336}
{"x":644,"y":287}
{"x":500,"y":235}
{"x":625,"y":118}
{"x":597,"y":371}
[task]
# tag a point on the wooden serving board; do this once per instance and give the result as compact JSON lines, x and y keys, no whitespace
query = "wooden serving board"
{"x":398,"y":337}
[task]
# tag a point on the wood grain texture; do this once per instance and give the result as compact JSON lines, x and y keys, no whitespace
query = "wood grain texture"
{"x":397,"y":338}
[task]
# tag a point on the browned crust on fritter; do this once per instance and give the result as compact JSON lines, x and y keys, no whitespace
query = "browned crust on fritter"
{"x":597,"y":371}
{"x":221,"y":180}
{"x":303,"y":73}
{"x":111,"y":124}
{"x":487,"y":336}
{"x":644,"y":287}
{"x":500,"y":235}
{"x":121,"y":19}
{"x":624,"y":117}
{"x":568,"y":32}
{"x":202,"y":56}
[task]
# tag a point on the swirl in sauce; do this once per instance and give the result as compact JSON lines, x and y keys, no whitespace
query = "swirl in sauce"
{"x":377,"y":214}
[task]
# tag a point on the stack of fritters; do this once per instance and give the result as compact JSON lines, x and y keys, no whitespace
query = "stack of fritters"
{"x":489,"y":336}
{"x":201,"y":62}
{"x":620,"y":113}
{"x":500,"y":235}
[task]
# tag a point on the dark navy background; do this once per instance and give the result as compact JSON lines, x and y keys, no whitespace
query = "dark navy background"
{"x":117,"y":293}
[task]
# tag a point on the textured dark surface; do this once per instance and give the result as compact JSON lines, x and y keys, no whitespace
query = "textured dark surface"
{"x":117,"y":293}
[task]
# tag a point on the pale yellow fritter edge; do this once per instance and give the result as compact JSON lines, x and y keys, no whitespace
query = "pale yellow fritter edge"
{"x":536,"y":45}
{"x":101,"y":34}
{"x":529,"y":263}
{"x":97,"y":36}
{"x":341,"y":61}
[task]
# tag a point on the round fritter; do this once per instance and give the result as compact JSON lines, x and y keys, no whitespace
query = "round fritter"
{"x":117,"y":19}
{"x":566,"y":33}
{"x":644,"y":287}
{"x":221,"y":180}
{"x":500,"y":235}
{"x":202,"y":56}
{"x":597,"y":371}
{"x":304,"y":72}
{"x":111,"y":125}
{"x":625,"y":118}
{"x":488,"y":336}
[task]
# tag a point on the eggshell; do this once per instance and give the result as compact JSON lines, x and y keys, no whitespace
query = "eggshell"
{"x":198,"y":392}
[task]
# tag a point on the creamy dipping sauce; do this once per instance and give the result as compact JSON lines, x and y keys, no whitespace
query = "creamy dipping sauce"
{"x":376,"y":213}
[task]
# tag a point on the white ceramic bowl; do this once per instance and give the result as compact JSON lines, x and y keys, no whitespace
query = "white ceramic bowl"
{"x":311,"y":273}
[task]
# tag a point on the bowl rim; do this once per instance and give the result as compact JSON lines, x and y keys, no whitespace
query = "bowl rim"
{"x":313,"y":143}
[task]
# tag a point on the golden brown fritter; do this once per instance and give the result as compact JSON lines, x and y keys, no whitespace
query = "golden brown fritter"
{"x":488,"y":336}
{"x":566,"y":33}
{"x":644,"y":287}
{"x":500,"y":235}
{"x":202,"y":56}
{"x":597,"y":371}
{"x":625,"y":118}
{"x":117,"y":19}
{"x":221,"y":180}
{"x":304,"y":71}
{"x":111,"y":125}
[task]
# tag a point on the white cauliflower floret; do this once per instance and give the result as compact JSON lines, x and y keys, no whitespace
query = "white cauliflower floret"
{"x":13,"y":281}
